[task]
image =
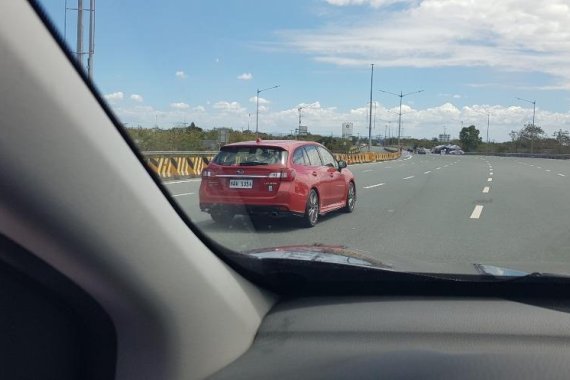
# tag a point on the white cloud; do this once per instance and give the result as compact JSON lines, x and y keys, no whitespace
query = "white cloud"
{"x":515,"y":35}
{"x":225,"y":106}
{"x":245,"y":76}
{"x":456,"y":96}
{"x":322,"y":119}
{"x":136,"y":98}
{"x":115,"y":96}
{"x":180,"y":106}
{"x":372,"y":3}
{"x":253,"y":99}
{"x":181,"y":74}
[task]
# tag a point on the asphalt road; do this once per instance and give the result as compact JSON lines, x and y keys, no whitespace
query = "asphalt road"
{"x":431,"y":212}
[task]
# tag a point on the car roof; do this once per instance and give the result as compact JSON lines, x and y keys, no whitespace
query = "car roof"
{"x":284,"y":144}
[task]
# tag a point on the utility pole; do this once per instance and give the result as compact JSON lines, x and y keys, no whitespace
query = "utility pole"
{"x":370,"y":118}
{"x":79,"y":49}
{"x":91,"y":39}
{"x":300,"y":108}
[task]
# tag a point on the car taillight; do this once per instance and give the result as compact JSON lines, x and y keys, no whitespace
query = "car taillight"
{"x":207,"y":173}
{"x":285,"y":175}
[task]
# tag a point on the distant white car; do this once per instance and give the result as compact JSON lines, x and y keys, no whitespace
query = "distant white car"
{"x":456,"y":151}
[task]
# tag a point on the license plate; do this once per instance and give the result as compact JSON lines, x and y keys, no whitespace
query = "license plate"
{"x":241,"y":183}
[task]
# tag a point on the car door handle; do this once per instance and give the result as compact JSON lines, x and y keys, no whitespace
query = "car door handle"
{"x":314,"y":174}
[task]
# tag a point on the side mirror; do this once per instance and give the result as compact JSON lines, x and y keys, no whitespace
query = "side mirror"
{"x":341,"y":165}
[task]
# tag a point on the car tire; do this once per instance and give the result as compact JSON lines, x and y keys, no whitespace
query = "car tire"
{"x":350,"y":198}
{"x":312,"y":208}
{"x":221,"y":218}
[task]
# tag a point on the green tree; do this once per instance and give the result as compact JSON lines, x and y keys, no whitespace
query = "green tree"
{"x":563,"y":138}
{"x":469,"y":137}
{"x":532,"y":133}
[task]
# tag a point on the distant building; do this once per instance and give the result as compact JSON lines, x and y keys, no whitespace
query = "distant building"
{"x":444,"y":138}
{"x":303,"y":130}
{"x":347,"y":130}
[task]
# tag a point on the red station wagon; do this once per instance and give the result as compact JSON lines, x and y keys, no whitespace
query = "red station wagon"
{"x":276,"y":178}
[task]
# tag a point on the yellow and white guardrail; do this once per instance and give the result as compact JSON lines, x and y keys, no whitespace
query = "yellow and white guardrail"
{"x":178,"y":164}
{"x":172,"y":165}
{"x":363,"y":157}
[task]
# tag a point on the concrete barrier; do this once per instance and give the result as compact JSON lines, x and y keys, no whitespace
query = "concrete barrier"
{"x":174,"y":165}
{"x":360,"y":158}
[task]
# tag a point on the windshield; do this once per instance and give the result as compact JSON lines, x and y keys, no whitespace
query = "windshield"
{"x":426,"y":135}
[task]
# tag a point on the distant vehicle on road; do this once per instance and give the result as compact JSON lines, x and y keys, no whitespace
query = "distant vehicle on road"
{"x":276,"y":178}
{"x":447,"y":149}
{"x":456,"y":151}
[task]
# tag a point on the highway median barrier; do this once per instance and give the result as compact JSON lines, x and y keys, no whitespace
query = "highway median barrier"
{"x":177,"y":165}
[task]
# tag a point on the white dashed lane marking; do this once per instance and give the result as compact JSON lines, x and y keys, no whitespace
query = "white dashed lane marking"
{"x":184,"y":181}
{"x":367,"y":170}
{"x":180,"y":195}
{"x":561,"y":175}
{"x":486,"y":189}
{"x":371,"y":186}
{"x":429,"y":171}
{"x":410,"y":177}
{"x":489,"y":179}
{"x":476,"y":214}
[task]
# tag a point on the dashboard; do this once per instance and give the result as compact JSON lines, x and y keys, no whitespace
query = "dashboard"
{"x":393,"y":337}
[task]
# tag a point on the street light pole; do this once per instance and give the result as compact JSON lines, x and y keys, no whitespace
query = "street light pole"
{"x":488,"y":122}
{"x":401,"y":96}
{"x":400,"y":121}
{"x":257,"y":112}
{"x":370,"y":115}
{"x":533,"y":102}
{"x":257,"y":107}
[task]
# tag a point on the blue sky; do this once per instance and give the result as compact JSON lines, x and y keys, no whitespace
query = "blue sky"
{"x":182,"y":61}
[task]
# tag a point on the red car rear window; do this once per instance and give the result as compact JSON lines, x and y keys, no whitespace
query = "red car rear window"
{"x":250,"y":156}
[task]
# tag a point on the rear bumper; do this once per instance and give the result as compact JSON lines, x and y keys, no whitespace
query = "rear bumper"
{"x":253,"y":210}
